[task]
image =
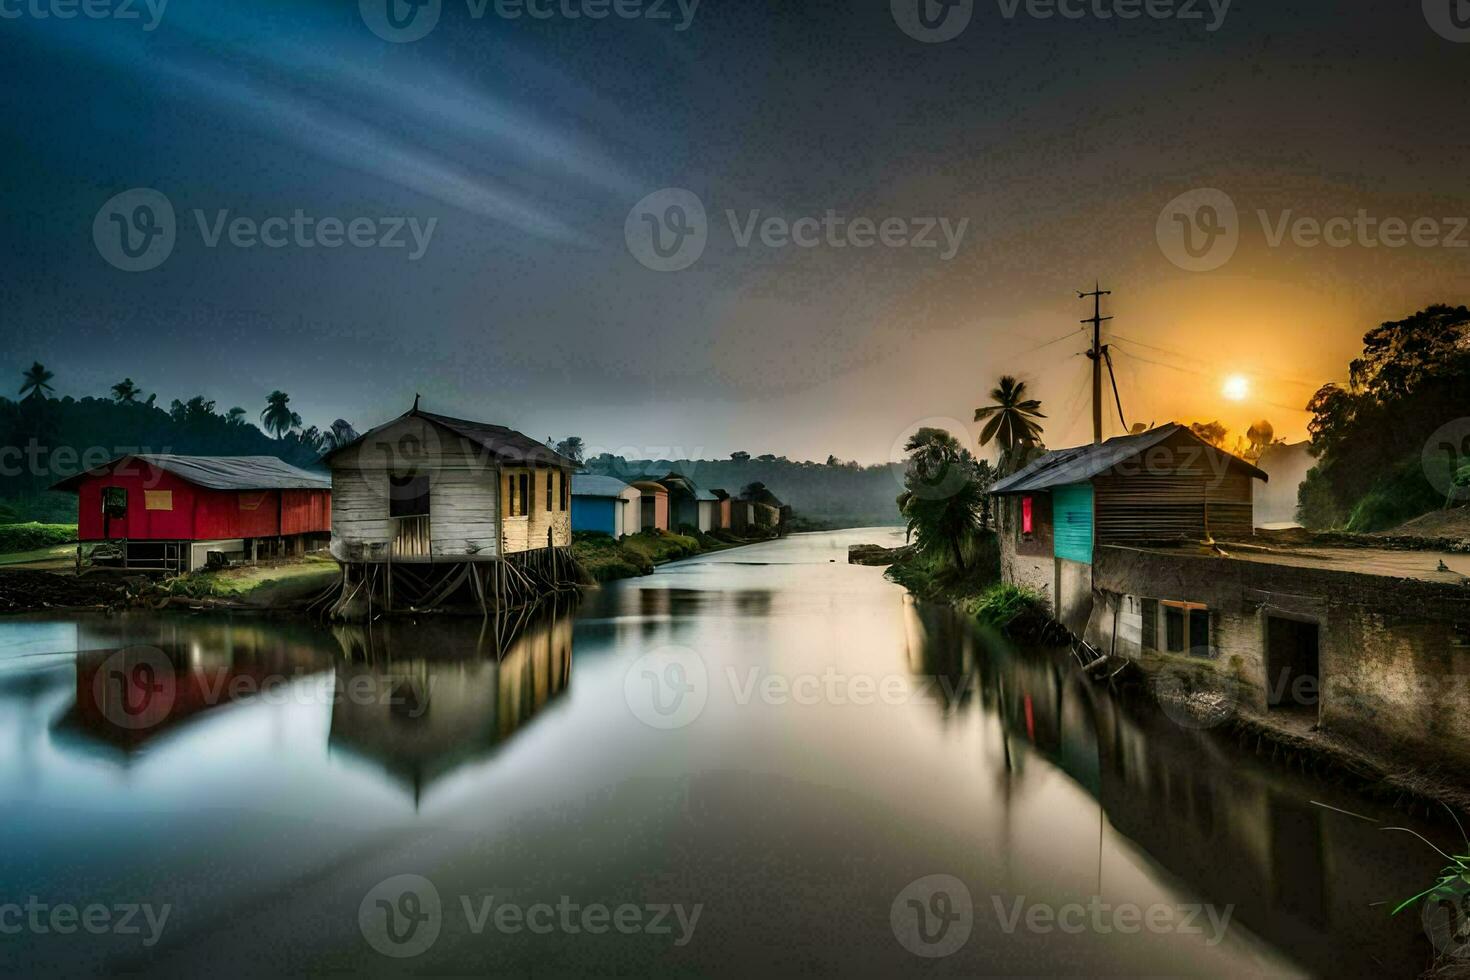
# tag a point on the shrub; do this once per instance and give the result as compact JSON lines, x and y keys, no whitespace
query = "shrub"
{"x":29,"y":537}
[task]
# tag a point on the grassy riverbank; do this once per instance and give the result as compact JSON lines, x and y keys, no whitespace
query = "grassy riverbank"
{"x":976,"y":589}
{"x":34,"y":537}
{"x":264,"y":584}
{"x":607,"y":559}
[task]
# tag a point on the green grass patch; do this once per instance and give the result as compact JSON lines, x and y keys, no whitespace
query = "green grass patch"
{"x":32,"y":536}
{"x":606,"y":559}
{"x":661,"y":546}
{"x":256,"y":582}
{"x":1005,"y":606}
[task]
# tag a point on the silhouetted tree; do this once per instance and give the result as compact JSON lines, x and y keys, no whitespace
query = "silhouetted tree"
{"x":36,"y":382}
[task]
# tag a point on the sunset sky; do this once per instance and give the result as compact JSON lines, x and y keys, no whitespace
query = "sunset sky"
{"x":528,"y":141}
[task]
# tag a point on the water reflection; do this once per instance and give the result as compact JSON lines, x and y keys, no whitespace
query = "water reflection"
{"x":428,"y":706}
{"x":1310,"y":880}
{"x":463,"y":752}
{"x":418,"y":699}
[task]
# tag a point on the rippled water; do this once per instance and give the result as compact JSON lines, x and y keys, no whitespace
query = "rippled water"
{"x":760,"y":760}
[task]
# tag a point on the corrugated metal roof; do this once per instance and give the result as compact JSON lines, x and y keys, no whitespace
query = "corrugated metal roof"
{"x":505,"y":444}
{"x":1081,"y":463}
{"x":220,"y":472}
{"x":592,"y":485}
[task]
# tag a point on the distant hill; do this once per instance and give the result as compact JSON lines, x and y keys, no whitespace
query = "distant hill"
{"x":43,"y":440}
{"x":821,"y":495}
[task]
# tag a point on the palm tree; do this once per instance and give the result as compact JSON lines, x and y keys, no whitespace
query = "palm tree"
{"x":339,"y":435}
{"x":944,"y":500}
{"x":571,"y":447}
{"x":37,"y":381}
{"x":1011,"y":418}
{"x":277,"y":418}
{"x":125,"y":392}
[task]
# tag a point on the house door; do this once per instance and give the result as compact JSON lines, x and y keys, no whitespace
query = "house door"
{"x":1293,"y":667}
{"x":648,"y":504}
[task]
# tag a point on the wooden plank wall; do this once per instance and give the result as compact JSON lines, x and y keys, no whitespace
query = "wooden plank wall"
{"x":1163,"y":494}
{"x":529,"y":532}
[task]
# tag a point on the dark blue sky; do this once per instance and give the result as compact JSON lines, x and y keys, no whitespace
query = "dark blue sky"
{"x":527,"y":142}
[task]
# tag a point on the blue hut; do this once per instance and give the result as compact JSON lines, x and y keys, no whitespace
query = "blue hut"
{"x":605,"y":504}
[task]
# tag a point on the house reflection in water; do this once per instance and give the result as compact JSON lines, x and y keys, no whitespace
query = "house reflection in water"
{"x":1310,"y":880}
{"x":422,"y":699}
{"x":140,"y":679}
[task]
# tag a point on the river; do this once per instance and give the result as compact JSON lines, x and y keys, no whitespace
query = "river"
{"x":762,"y":760}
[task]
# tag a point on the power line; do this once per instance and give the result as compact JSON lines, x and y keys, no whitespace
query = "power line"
{"x":1057,"y":340}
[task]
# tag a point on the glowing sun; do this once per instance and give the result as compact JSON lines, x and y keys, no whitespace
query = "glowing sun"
{"x":1236,"y":387}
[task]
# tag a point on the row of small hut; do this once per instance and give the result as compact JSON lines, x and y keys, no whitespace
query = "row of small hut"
{"x":423,"y":512}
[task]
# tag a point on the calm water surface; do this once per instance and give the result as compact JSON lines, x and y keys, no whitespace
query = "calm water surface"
{"x":784,"y":741}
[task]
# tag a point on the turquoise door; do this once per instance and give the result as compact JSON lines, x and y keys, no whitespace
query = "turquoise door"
{"x":1072,"y":522}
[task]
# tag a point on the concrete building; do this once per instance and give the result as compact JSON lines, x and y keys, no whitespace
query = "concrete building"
{"x":1166,"y":484}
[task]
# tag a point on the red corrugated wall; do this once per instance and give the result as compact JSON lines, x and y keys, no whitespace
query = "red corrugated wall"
{"x":198,"y":513}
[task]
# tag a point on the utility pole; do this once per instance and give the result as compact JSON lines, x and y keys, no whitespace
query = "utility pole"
{"x":1096,"y":355}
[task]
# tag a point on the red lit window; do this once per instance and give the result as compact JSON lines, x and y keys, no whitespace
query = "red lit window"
{"x":1025,"y":515}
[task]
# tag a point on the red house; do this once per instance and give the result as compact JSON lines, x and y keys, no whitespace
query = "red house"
{"x":168,"y":512}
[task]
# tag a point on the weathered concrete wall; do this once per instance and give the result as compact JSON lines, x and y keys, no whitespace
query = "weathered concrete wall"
{"x":1035,"y":572}
{"x":1391,"y":677}
{"x":1074,"y":594}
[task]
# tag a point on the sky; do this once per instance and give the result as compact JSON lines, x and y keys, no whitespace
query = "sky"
{"x":860,"y":225}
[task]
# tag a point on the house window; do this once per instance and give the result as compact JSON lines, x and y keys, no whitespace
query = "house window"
{"x":114,"y":502}
{"x":566,"y":491}
{"x":1026,"y":515}
{"x":158,"y":500}
{"x":408,"y":496}
{"x":1187,"y":628}
{"x":520,"y":495}
{"x":1150,"y":612}
{"x":550,"y":479}
{"x":1174,"y":628}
